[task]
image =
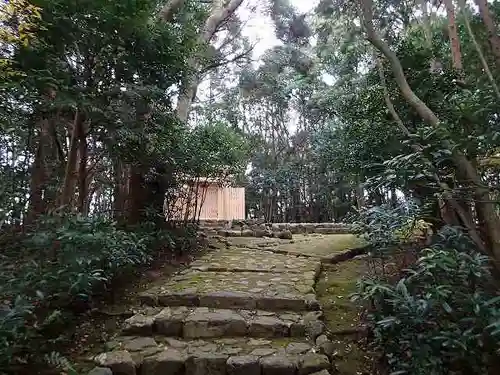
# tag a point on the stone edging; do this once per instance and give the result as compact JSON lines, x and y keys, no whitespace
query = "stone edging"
{"x":348,"y":254}
{"x":332,"y":259}
{"x":277,"y":230}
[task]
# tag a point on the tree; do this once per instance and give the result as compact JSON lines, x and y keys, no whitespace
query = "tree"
{"x":493,"y":37}
{"x":220,"y":11}
{"x":90,"y":112}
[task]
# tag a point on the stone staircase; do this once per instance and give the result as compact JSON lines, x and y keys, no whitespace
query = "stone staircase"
{"x":232,"y":312}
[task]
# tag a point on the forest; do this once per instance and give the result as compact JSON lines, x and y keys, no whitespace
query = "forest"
{"x":380,"y":113}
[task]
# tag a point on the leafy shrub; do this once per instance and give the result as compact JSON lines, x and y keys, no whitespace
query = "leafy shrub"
{"x":385,"y":226}
{"x":68,"y":261}
{"x":441,"y":318}
{"x":58,"y":268}
{"x":414,"y":230}
{"x":391,"y":233}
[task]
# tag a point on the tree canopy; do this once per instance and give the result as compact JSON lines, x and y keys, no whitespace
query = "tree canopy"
{"x":109,"y":109}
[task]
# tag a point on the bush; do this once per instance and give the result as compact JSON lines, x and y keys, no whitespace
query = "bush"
{"x":58,"y":268}
{"x":384,"y":227}
{"x":442,"y":317}
{"x":393,"y":235}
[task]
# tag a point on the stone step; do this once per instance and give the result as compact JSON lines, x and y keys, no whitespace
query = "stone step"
{"x":211,"y":230}
{"x":236,"y":290}
{"x":212,"y":223}
{"x":203,"y":322}
{"x":239,"y":356}
{"x":241,"y":260}
{"x":231,"y":300}
{"x":338,"y":230}
{"x":283,"y":233}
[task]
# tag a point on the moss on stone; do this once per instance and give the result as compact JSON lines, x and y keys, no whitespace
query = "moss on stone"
{"x":322,"y":246}
{"x":336,"y":284}
{"x":350,"y":358}
{"x":282,"y":342}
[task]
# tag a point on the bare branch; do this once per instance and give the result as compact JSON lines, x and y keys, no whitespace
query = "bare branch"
{"x":217,"y":17}
{"x":387,"y":97}
{"x":224,"y":62}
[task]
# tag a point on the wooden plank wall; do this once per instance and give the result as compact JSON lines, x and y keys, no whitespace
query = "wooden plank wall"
{"x":226,"y":203}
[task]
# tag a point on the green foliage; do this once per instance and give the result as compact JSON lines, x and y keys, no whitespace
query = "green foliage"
{"x":114,"y":62}
{"x":216,"y":150}
{"x":57,"y":361}
{"x":363,"y":142}
{"x":60,"y":268}
{"x":382,"y":227}
{"x":442,"y":317}
{"x":18,"y":21}
{"x":109,"y":68}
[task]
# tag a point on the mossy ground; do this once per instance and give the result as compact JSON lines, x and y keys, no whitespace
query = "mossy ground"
{"x":336,"y":284}
{"x":321,"y":245}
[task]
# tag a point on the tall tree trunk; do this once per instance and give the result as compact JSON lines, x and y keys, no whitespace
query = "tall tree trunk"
{"x":82,"y":172}
{"x":136,"y":195}
{"x":478,"y":48}
{"x":70,"y":175}
{"x":426,"y":22}
{"x":188,"y":202}
{"x":493,"y":38}
{"x":221,"y":11}
{"x":120,"y":190}
{"x":456,"y":54}
{"x":465,"y":167}
{"x":434,"y":65}
{"x":137,"y":198}
{"x":196,"y":199}
{"x":186,"y":97}
{"x":39,"y":174}
{"x":360,"y":196}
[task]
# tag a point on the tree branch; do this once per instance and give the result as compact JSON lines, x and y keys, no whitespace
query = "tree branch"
{"x":479,"y":51}
{"x":224,"y":62}
{"x":460,"y":160}
{"x":170,"y":8}
{"x":188,"y":88}
{"x":397,"y":69}
{"x":387,"y":98}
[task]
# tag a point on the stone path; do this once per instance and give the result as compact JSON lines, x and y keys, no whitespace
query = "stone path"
{"x":233,"y":311}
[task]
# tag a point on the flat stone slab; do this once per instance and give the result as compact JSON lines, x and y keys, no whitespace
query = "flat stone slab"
{"x":236,"y":290}
{"x":242,"y":260}
{"x":215,"y":356}
{"x":256,"y":243}
{"x":204,"y":322}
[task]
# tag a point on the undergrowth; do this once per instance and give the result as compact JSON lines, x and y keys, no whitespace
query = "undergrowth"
{"x":57,"y":270}
{"x":437,"y":313}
